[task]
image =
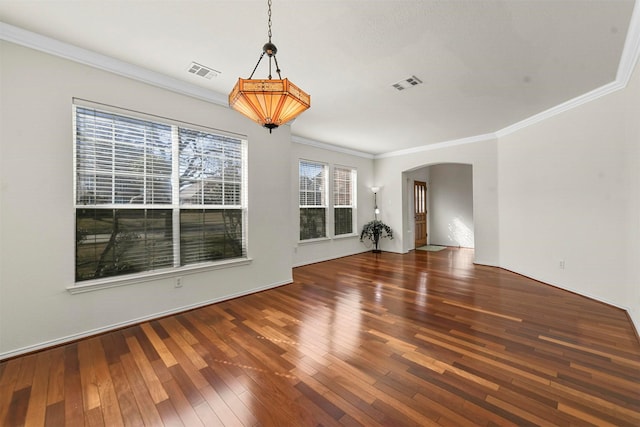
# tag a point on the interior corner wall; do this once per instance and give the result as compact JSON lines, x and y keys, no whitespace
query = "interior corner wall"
{"x":569,"y":198}
{"x":37,"y":207}
{"x":482,"y":156}
{"x":330,"y":248}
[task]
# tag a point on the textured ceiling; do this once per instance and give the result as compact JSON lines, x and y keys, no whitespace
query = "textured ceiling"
{"x":484,"y":64}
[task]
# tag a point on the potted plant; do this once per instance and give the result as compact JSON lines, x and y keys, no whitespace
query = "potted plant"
{"x":374,"y":231}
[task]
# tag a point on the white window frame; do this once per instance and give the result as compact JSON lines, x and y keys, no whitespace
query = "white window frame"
{"x":324,"y":202}
{"x":175,"y":205}
{"x":353,"y":182}
{"x":329,"y":201}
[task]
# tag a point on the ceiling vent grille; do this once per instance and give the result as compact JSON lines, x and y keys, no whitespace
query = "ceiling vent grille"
{"x":202,"y":70}
{"x":407,"y":83}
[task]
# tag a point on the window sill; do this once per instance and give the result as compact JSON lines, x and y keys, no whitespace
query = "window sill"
{"x":112,"y":282}
{"x":346,"y":236}
{"x":320,"y":239}
{"x":328,"y":239}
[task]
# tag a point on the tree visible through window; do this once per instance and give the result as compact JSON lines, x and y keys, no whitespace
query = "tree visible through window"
{"x":316,"y":208}
{"x":313,"y":208}
{"x":343,"y":197}
{"x":154,"y":195}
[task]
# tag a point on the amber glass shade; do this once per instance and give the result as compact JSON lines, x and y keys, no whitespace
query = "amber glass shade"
{"x":270,"y":103}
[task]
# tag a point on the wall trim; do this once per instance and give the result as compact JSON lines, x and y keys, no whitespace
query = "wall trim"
{"x":330,"y":147}
{"x":55,"y":47}
{"x":561,"y":108}
{"x":628,"y":60}
{"x":149,"y":276}
{"x":627,"y":309}
{"x":115,"y":326}
{"x":330,"y":258}
{"x":627,"y":63}
{"x":631,"y":51}
{"x":438,"y":145}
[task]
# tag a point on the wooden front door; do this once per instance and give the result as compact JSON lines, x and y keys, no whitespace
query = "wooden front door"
{"x":420,"y":212}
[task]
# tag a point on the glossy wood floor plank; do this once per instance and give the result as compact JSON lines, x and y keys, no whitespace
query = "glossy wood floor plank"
{"x":420,"y":339}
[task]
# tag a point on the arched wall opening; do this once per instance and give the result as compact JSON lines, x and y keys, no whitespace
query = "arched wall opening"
{"x":391,"y":174}
{"x":449,"y":205}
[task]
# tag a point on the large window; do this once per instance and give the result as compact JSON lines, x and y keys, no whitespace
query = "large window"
{"x":313,"y":200}
{"x":317,"y":209}
{"x":151,"y":194}
{"x":343,"y":200}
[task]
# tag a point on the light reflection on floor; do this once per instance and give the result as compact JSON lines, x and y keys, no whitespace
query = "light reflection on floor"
{"x":335,"y":329}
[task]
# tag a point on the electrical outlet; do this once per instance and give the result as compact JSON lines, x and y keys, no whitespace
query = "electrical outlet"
{"x":178,"y":282}
{"x":561,"y":264}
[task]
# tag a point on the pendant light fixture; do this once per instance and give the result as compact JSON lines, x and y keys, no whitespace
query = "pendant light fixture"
{"x":268,"y":102}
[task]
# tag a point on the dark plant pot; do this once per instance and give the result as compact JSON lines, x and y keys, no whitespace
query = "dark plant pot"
{"x":374,"y":231}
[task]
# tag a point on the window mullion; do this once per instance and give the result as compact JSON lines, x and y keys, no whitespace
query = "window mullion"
{"x":328,"y":201}
{"x":175,"y":193}
{"x":113,"y":161}
{"x":145,"y":167}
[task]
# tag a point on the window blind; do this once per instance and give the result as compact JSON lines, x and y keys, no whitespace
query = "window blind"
{"x":153,"y":195}
{"x":312,"y":196}
{"x":343,"y":200}
{"x":121,"y":160}
{"x":312,"y":184}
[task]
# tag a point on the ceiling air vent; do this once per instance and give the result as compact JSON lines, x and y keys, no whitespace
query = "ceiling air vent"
{"x":202,"y":70}
{"x":407,"y":83}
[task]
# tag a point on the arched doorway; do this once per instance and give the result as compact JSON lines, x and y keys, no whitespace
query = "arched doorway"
{"x":447,"y":202}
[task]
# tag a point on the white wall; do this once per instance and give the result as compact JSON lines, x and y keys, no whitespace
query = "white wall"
{"x":570,"y":191}
{"x":564,"y":189}
{"x":37,"y":214}
{"x":482,"y":156}
{"x":451,"y":205}
{"x":321,"y":250}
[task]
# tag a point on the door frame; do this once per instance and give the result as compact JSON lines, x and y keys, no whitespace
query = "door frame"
{"x":417,"y":185}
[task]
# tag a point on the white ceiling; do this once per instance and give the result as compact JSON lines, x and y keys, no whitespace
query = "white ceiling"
{"x":485,"y":64}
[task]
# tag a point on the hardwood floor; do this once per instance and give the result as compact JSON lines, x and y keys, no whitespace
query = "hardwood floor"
{"x":425,"y":338}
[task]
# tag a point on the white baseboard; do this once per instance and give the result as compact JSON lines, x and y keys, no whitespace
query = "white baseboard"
{"x":314,"y":261}
{"x":115,"y":326}
{"x":69,"y":338}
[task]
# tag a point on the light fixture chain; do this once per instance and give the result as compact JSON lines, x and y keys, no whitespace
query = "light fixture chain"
{"x":255,"y":98}
{"x":277,"y":67}
{"x":256,"y":67}
{"x":269,"y":33}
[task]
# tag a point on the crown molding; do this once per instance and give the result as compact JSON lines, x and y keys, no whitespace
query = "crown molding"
{"x":631,"y":50}
{"x":561,"y":108}
{"x":628,"y":60}
{"x":438,"y":145}
{"x":51,"y":46}
{"x":330,"y":147}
